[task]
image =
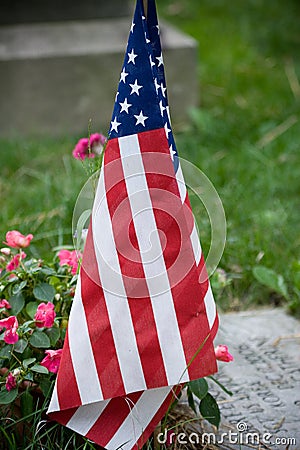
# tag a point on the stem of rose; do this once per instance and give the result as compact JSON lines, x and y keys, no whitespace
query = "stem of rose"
{"x":21,"y":262}
{"x":17,"y":359}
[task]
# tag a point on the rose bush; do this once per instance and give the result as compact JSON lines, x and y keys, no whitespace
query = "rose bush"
{"x":35,"y":301}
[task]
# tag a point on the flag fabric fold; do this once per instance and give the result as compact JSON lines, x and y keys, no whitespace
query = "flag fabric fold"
{"x":143,"y":320}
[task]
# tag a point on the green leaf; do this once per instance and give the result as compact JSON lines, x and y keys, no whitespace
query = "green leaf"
{"x":20,"y":346}
{"x":271,"y":279}
{"x":220,"y":385}
{"x":26,"y":404}
{"x":47,"y":271}
{"x":53,"y":334}
{"x":18,"y":287}
{"x":45,"y":385}
{"x":28,"y":361}
{"x":39,"y":339}
{"x":31,"y":309}
{"x":5,"y":352}
{"x":209,"y":410}
{"x":191,"y":400}
{"x":29,"y":376}
{"x":17,"y":303}
{"x":199,"y":387}
{"x":54,"y":281}
{"x":7,"y":397}
{"x":44,"y":291}
{"x":39,"y":369}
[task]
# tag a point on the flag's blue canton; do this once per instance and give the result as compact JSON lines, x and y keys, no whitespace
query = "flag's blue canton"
{"x":141,"y":102}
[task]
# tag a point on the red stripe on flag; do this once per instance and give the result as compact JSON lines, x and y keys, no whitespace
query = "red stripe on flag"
{"x":68,"y":394}
{"x":99,"y":327}
{"x":133,"y":273}
{"x":112,"y":418}
{"x":63,"y":417}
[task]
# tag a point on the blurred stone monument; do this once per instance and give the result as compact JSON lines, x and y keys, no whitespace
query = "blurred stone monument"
{"x":60,"y":63}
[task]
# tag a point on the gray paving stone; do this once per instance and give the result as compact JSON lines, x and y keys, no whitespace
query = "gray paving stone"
{"x":264,"y":377}
{"x":54,"y":77}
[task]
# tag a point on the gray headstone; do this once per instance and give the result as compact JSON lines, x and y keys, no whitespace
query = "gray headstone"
{"x":20,"y":11}
{"x":54,"y":77}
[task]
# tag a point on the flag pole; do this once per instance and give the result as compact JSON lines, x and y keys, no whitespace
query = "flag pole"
{"x":145,"y":7}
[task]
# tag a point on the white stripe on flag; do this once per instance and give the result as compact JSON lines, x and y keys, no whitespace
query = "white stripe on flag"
{"x":196,"y":244}
{"x":181,"y":184}
{"x":115,"y":294}
{"x":86,"y":416}
{"x":81,"y":352}
{"x":155,"y":269}
{"x":138,"y":418}
{"x":210,"y":306}
{"x":54,"y":403}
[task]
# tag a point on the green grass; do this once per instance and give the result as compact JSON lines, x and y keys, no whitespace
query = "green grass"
{"x":39,"y":185}
{"x":245,"y":137}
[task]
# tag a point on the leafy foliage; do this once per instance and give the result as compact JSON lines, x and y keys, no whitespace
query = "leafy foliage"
{"x":25,"y":382}
{"x":271,"y":279}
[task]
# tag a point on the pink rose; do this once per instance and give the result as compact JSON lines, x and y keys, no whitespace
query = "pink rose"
{"x":81,"y":150}
{"x":5,"y":251}
{"x":15,"y":262}
{"x":10,"y":382}
{"x":45,"y":315}
{"x":97,"y":142}
{"x":69,"y":258}
{"x":52,"y":360}
{"x":88,"y":148}
{"x":4,"y":304}
{"x":11,"y":325}
{"x":16,"y":239}
{"x":222,"y":353}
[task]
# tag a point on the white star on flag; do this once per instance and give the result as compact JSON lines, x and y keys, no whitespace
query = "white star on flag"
{"x":123,"y":75}
{"x":132,"y":27}
{"x":157,"y":86}
{"x":141,"y":119}
{"x":160,"y":60}
{"x":125,"y":106}
{"x":132,"y":57}
{"x":115,"y":124}
{"x":163,"y":90}
{"x":162,"y":108}
{"x":151,"y":62}
{"x":168,"y":112}
{"x":167,"y":130}
{"x":135,"y":88}
{"x":173,"y":152}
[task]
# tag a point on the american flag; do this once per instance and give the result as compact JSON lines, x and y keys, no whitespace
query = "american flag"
{"x":142,"y":322}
